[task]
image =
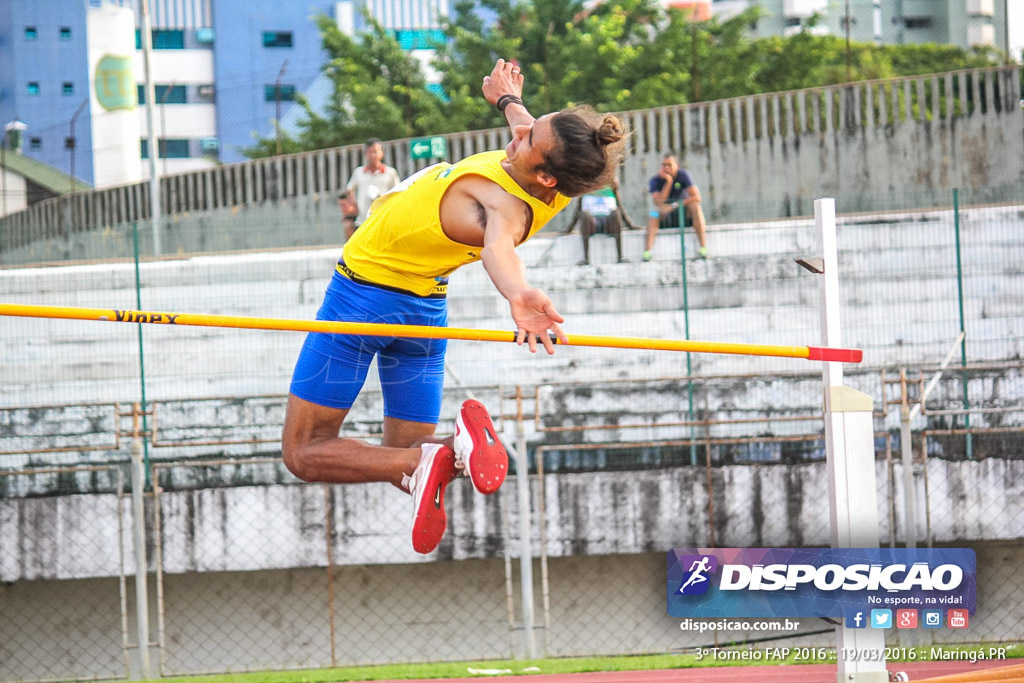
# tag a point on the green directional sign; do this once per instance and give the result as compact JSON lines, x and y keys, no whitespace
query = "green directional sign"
{"x":428,"y":148}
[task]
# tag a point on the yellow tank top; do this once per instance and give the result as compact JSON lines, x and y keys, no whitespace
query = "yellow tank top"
{"x":401,"y":244}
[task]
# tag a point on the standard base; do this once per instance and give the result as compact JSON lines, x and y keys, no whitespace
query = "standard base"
{"x":863,"y":677}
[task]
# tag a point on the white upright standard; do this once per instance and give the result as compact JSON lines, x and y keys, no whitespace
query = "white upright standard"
{"x":850,"y":453}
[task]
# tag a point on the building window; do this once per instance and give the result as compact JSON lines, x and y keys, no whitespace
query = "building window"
{"x":168,"y":39}
{"x":176,"y":149}
{"x":165,"y":94}
{"x":67,"y":88}
{"x":287,"y":93}
{"x":419,"y":39}
{"x":31,"y":33}
{"x":33,"y":88}
{"x":170,"y":148}
{"x":65,"y":33}
{"x":163,"y":39}
{"x":277,"y":39}
{"x":35,"y":143}
{"x":205,"y":36}
{"x":917,"y":22}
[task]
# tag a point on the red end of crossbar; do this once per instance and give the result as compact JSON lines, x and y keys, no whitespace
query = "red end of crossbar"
{"x":837,"y":355}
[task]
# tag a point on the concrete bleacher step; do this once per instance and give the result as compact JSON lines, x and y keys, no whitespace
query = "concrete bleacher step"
{"x":750,"y":290}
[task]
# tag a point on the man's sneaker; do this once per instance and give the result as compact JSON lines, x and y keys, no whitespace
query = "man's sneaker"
{"x":427,"y":484}
{"x":647,"y":255}
{"x":478,"y":451}
{"x":703,"y":251}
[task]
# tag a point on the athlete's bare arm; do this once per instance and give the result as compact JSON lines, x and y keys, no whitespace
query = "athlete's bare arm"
{"x":478,"y":212}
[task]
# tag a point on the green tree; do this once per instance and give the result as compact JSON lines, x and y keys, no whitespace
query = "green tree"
{"x":616,"y":55}
{"x":612,"y":56}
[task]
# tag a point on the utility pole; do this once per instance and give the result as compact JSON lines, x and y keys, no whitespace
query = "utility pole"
{"x":696,"y":63}
{"x":277,"y":104}
{"x":898,"y":20}
{"x":3,"y":175}
{"x":146,"y":31}
{"x":1007,"y":57}
{"x":849,"y":74}
{"x":72,"y":143}
{"x":876,"y":20}
{"x":163,"y":123}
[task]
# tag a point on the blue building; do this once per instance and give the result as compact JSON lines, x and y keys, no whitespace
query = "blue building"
{"x":966,"y":23}
{"x":224,"y":71}
{"x":44,"y":80}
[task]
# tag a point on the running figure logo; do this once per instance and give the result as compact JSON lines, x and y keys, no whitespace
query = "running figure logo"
{"x":697,"y":581}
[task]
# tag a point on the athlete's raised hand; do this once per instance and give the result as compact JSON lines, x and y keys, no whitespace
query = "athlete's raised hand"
{"x":535,"y":315}
{"x":505,"y":79}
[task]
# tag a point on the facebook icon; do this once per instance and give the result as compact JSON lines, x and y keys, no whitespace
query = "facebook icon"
{"x":856,"y":620}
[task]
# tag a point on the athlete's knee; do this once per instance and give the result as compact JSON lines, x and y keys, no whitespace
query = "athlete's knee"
{"x":297,"y":458}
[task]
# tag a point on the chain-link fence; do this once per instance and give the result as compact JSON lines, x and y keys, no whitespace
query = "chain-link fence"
{"x":250,"y":569}
{"x":631,"y":452}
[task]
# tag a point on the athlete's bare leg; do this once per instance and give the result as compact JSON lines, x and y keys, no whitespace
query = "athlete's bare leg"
{"x":312,"y":450}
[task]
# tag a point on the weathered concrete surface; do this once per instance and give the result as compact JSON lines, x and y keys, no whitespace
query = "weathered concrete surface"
{"x":245,"y":528}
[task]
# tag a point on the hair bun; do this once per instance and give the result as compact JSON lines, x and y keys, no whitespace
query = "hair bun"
{"x":610,"y":131}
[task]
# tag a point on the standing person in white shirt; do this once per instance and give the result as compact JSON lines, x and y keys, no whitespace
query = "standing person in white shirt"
{"x":366,"y":184}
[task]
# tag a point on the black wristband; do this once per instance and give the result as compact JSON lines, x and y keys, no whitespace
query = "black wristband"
{"x":506,"y":100}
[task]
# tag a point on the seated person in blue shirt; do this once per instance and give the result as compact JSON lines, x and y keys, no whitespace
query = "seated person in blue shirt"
{"x":601,"y":211}
{"x":668,"y":188}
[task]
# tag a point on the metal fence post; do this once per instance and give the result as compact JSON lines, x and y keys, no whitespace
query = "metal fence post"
{"x":142,"y":356}
{"x":525,"y":548}
{"x":968,"y":445}
{"x":907,"y":458}
{"x":139,"y":537}
{"x":686,"y":329}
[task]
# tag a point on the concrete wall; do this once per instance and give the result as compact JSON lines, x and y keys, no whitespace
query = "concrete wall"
{"x":448,"y":610}
{"x":859,"y":144}
{"x":593,"y":513}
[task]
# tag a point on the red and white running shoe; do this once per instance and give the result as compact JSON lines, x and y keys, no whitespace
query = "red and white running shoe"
{"x":427,"y":484}
{"x":478,"y":450}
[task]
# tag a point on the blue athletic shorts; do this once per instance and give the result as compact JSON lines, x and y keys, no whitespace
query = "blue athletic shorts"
{"x":332,"y":367}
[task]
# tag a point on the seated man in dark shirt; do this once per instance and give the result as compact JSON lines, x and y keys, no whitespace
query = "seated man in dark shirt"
{"x":668,"y":188}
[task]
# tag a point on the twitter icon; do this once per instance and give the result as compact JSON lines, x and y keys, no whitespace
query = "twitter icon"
{"x":881,"y":618}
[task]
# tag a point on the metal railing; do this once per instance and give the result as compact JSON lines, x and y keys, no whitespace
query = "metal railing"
{"x":687,"y":129}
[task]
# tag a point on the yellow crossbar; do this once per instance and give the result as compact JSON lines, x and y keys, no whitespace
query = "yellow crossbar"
{"x":422,"y":332}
